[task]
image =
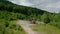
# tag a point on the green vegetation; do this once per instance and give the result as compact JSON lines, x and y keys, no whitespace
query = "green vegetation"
{"x":10,"y":27}
{"x":45,"y":29}
{"x":8,"y":19}
{"x":10,"y":12}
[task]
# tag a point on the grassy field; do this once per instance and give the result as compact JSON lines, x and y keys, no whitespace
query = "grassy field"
{"x":45,"y":29}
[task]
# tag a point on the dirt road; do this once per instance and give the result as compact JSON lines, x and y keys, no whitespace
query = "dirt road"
{"x":25,"y":25}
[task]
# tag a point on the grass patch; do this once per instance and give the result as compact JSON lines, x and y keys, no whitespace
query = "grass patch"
{"x":10,"y":27}
{"x":45,"y":29}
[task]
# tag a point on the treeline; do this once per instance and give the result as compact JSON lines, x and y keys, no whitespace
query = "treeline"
{"x":27,"y":11}
{"x":20,"y":9}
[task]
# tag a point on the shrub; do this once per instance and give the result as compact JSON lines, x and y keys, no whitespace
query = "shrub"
{"x":6,"y":24}
{"x":46,"y":20}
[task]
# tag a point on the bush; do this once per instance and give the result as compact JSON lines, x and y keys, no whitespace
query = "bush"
{"x":46,"y":20}
{"x":6,"y":24}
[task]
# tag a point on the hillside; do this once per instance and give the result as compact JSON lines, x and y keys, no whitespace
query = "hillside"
{"x":10,"y":12}
{"x":27,"y":11}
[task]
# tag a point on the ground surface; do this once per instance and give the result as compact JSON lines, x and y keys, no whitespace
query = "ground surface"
{"x":45,"y":29}
{"x":38,"y":28}
{"x":26,"y":26}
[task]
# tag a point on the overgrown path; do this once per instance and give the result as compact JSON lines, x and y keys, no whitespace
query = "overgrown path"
{"x":25,"y":25}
